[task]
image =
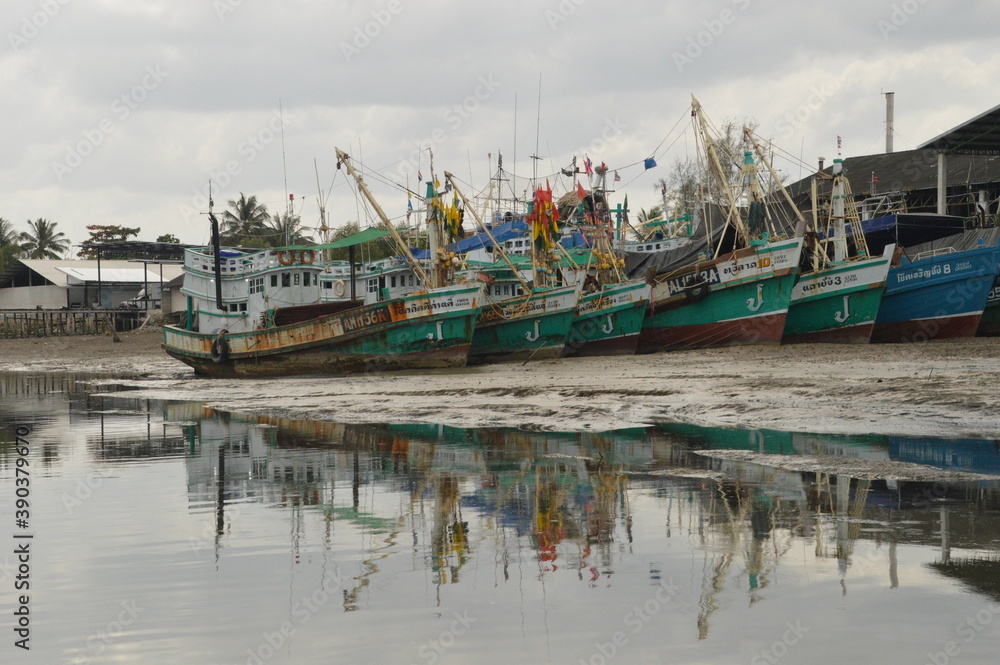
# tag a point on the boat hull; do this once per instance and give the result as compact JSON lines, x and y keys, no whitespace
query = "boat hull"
{"x":989,"y":325}
{"x":521,"y":329}
{"x":838,"y":304}
{"x":746,"y":301}
{"x":420,"y":331}
{"x":938,"y":297}
{"x":608,"y":322}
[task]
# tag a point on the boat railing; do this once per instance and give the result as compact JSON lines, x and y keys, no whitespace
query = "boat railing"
{"x":204,"y":262}
{"x":940,"y":251}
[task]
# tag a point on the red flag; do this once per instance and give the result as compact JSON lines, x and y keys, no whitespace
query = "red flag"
{"x":580,"y":192}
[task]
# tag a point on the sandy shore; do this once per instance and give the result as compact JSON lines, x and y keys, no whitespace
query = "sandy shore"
{"x":949,"y":388}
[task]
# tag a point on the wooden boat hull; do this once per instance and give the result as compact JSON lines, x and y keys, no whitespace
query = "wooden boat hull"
{"x":937,"y":297}
{"x":839,"y":303}
{"x":521,"y":329}
{"x":420,"y":331}
{"x":745,"y":302}
{"x":608,"y":322}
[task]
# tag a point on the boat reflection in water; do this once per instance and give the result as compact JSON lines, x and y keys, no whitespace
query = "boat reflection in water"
{"x":405,"y":544}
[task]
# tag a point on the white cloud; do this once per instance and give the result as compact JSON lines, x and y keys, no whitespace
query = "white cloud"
{"x":600,"y":64}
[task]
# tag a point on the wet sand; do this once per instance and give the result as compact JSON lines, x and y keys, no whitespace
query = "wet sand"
{"x":947,"y":388}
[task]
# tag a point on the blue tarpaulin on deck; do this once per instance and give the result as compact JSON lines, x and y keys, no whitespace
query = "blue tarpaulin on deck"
{"x":502,"y":233}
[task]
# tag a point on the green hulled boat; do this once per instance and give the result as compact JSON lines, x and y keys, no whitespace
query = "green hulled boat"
{"x":534,"y":326}
{"x":608,"y":321}
{"x":837,"y":300}
{"x":268,"y":324}
{"x":838,"y":303}
{"x":738,"y":298}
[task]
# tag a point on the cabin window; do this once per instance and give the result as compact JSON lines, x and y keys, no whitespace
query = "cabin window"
{"x":392,"y":281}
{"x":411,"y":280}
{"x":372,"y":286}
{"x":305,"y":279}
{"x":286,"y":279}
{"x":297,"y":281}
{"x":496,"y":289}
{"x":506,"y":289}
{"x":327,"y":284}
{"x":256,"y":285}
{"x":274,"y":281}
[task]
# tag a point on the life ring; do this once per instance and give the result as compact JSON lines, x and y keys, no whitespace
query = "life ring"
{"x":695,"y":289}
{"x":286,"y":257}
{"x":339,"y":288}
{"x":220,"y":348}
{"x":308,"y":256}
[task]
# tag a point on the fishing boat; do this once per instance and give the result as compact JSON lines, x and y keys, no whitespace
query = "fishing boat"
{"x":533,"y":322}
{"x":939,"y":290}
{"x":837,"y":297}
{"x":260,"y":313}
{"x":610,"y":313}
{"x":739,"y":296}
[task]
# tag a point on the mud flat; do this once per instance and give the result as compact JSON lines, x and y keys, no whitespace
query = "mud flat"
{"x":948,"y":388}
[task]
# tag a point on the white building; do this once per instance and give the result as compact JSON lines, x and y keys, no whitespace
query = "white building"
{"x":58,"y":284}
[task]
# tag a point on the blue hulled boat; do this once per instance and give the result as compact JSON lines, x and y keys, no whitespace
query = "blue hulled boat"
{"x":938,"y":290}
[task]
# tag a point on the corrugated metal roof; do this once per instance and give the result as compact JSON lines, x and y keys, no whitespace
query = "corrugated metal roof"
{"x":907,"y":171}
{"x":120,"y":275}
{"x":978,"y":136}
{"x":62,"y":271}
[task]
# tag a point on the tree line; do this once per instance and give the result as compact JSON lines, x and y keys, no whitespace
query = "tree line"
{"x":40,"y":241}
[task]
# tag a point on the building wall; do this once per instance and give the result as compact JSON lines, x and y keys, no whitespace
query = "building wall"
{"x":173,"y":300}
{"x":32,"y":297}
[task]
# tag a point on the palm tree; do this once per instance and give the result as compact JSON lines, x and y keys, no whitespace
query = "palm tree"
{"x":642,"y":231}
{"x":286,"y":229}
{"x":42,"y":241}
{"x":245,"y":220}
{"x":8,"y":235}
{"x":10,"y":244}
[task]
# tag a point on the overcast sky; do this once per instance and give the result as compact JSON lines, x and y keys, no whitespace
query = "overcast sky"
{"x":121,"y":111}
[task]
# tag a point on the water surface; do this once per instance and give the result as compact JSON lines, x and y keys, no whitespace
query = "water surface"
{"x":165,"y":530}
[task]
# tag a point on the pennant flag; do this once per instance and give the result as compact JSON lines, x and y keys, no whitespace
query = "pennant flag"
{"x":625,"y":211}
{"x":420,"y":176}
{"x":581,"y":193}
{"x":437,"y":184}
{"x":874,"y":178}
{"x":618,"y":178}
{"x":409,"y":207}
{"x":649,"y":162}
{"x":588,"y":166}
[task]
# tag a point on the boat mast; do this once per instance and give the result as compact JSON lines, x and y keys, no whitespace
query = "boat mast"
{"x":800,"y":221}
{"x":720,"y":173}
{"x":345,"y":160}
{"x":837,"y":212}
{"x":517,"y":273}
{"x":432,"y":217}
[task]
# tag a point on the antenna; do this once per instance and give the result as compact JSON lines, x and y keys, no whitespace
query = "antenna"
{"x":323,"y":228}
{"x":513,"y":172}
{"x":538,"y":121}
{"x":284,"y":171}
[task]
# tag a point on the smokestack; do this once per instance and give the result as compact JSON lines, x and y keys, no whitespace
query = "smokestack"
{"x":821,"y":160}
{"x":889,"y":98}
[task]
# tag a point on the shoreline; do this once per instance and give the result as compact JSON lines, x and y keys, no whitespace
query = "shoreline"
{"x":947,"y":388}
